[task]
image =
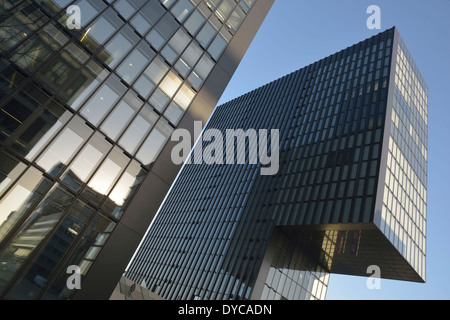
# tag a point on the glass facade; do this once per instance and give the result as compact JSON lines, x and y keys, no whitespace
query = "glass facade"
{"x":404,"y":212}
{"x":225,"y":231}
{"x":84,"y":115}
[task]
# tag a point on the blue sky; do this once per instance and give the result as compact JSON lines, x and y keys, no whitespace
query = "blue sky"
{"x":297,"y":33}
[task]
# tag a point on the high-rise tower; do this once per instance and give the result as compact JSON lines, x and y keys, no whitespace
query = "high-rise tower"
{"x":350,"y":194}
{"x":90,"y":92}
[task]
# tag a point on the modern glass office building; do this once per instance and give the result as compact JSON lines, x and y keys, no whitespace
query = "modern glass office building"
{"x":90,"y":92}
{"x":350,"y":192}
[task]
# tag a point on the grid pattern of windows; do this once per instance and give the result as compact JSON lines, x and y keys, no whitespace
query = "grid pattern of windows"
{"x":404,"y":213}
{"x":84,"y":114}
{"x":210,"y":236}
{"x":293,"y":275}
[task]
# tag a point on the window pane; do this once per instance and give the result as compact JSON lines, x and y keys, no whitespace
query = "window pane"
{"x":120,"y":46}
{"x":86,"y":162}
{"x":23,"y":195}
{"x":60,"y":152}
{"x":138,"y":130}
{"x":120,"y":116}
{"x":92,"y":241}
{"x":103,"y":100}
{"x":154,"y":143}
{"x":133,"y":65}
{"x":34,"y":230}
{"x":38,"y":129}
{"x":124,"y":190}
{"x":42,"y":266}
{"x":10,"y":169}
{"x":106,"y":176}
{"x":182,"y":9}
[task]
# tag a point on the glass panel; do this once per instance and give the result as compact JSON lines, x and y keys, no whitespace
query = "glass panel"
{"x":133,"y":65}
{"x":39,"y":128}
{"x":10,"y":169}
{"x":106,"y":176}
{"x":201,"y":72}
{"x":195,"y":21}
{"x":184,"y":97}
{"x":101,"y":29}
{"x":225,"y":9}
{"x":154,"y":143}
{"x":119,"y":118}
{"x":236,"y":19}
{"x":33,"y":232}
{"x":103,"y":100}
{"x":84,"y":84}
{"x":30,"y":283}
{"x":206,"y":35}
{"x":121,"y":195}
{"x":120,"y":46}
{"x":176,"y":46}
{"x":170,"y":84}
{"x":86,"y":162}
{"x":60,"y":152}
{"x":138,"y":130}
{"x":217,"y":47}
{"x":156,"y":70}
{"x":87,"y":249}
{"x":163,"y":31}
{"x":159,"y":100}
{"x":23,"y":195}
{"x":189,"y":59}
{"x":14,"y":113}
{"x":182,"y":9}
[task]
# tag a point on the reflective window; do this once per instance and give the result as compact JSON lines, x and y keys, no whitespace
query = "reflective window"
{"x":195,"y":22}
{"x":103,"y":100}
{"x":163,"y":31}
{"x":36,"y":277}
{"x":10,"y":169}
{"x":176,"y":46}
{"x":121,"y":115}
{"x":41,"y":126}
{"x":120,"y":46}
{"x":147,"y":16}
{"x":101,"y":29}
{"x":206,"y":35}
{"x":138,"y":130}
{"x":23,"y":195}
{"x":38,"y":225}
{"x":86,"y":250}
{"x":106,"y":176}
{"x":122,"y":193}
{"x":201,"y":72}
{"x":154,"y":143}
{"x":61,"y":151}
{"x":189,"y":59}
{"x":135,"y":63}
{"x":182,"y":9}
{"x":86,"y":162}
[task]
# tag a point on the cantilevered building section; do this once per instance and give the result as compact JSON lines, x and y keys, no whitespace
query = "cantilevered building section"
{"x":85,"y":122}
{"x":350,"y":192}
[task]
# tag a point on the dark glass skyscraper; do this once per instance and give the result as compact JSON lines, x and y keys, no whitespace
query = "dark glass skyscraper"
{"x":350,"y":192}
{"x":90,"y":92}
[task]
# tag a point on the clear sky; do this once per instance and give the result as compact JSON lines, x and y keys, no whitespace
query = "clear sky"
{"x":297,"y":33}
